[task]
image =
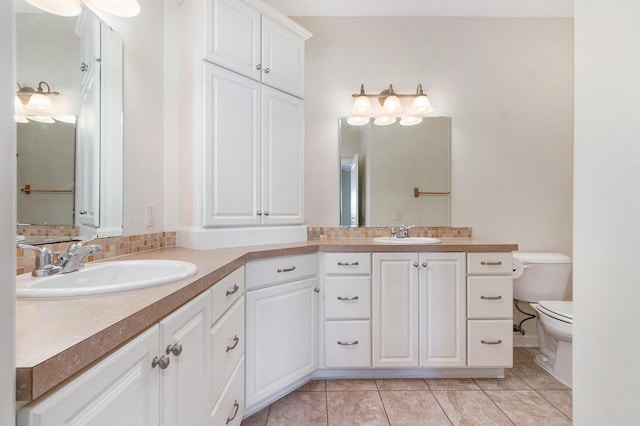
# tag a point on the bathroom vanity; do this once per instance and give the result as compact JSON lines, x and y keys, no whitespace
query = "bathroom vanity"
{"x":393,"y":317}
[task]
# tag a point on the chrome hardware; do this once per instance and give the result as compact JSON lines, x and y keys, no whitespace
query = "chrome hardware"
{"x":259,"y":213}
{"x":266,"y":213}
{"x":348,"y":298}
{"x":84,"y":67}
{"x":234,"y":290}
{"x":490,"y":297}
{"x":348,"y":263}
{"x":236,"y":340}
{"x":393,"y":232}
{"x":162,"y":362}
{"x":44,"y":265}
{"x":259,"y":66}
{"x":174,"y":349}
{"x":424,"y":264}
{"x":415,"y":264}
{"x":289,"y":269}
{"x":498,"y":263}
{"x":491,"y":342}
{"x":355,"y":342}
{"x":404,"y":230}
{"x":82,"y":212}
{"x":267,"y":70}
{"x":236,"y":406}
{"x":72,"y":260}
{"x":316,"y":290}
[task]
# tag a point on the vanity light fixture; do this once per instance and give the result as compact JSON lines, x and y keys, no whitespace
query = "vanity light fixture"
{"x":391,"y":107}
{"x":122,"y":8}
{"x":35,"y":105}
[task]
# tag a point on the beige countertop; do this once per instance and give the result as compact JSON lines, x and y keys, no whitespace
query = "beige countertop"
{"x":57,"y":338}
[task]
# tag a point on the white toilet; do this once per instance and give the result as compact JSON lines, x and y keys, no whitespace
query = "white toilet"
{"x":541,"y":279}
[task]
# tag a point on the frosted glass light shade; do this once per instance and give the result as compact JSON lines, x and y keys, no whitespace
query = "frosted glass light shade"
{"x":21,"y":112}
{"x":392,"y":105}
{"x":122,"y":8}
{"x":361,"y":106}
{"x":41,"y":118}
{"x":421,"y":105}
{"x":39,"y":104}
{"x":358,"y":120}
{"x":58,"y":7}
{"x":410,"y":120}
{"x":384,"y":120}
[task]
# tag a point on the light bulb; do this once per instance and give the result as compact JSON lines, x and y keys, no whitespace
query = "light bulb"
{"x":358,"y":120}
{"x":421,"y":105}
{"x":410,"y":120}
{"x":58,"y":7}
{"x":392,"y":105}
{"x":384,"y":120}
{"x":362,"y":106}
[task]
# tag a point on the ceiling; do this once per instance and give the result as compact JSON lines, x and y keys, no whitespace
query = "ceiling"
{"x":485,"y":8}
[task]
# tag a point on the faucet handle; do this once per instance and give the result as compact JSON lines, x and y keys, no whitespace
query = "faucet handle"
{"x":393,"y":231}
{"x":44,"y":260}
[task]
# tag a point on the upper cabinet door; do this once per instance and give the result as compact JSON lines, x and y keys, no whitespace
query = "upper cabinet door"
{"x":282,"y":58}
{"x":232,"y":36}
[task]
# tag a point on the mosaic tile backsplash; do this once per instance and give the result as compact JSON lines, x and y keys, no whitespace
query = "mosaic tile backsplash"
{"x":329,"y":233}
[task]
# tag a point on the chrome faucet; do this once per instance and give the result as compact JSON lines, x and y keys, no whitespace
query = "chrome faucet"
{"x":404,"y":231}
{"x":69,"y":262}
{"x":44,"y":265}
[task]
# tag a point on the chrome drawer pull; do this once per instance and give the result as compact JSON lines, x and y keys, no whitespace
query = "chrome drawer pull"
{"x":162,"y":362}
{"x":491,"y":342}
{"x":498,"y":263}
{"x":233,"y":290}
{"x":355,"y":342}
{"x":348,"y":298}
{"x":348,"y":263}
{"x":236,"y":406}
{"x":174,"y":349}
{"x":289,"y":269}
{"x":490,"y":297}
{"x":236,"y":339}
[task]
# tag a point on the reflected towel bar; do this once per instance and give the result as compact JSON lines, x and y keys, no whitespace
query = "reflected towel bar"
{"x":417,"y":193}
{"x":27,"y":190}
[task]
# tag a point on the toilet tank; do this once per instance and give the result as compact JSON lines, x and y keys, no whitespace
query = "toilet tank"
{"x":540,"y":276}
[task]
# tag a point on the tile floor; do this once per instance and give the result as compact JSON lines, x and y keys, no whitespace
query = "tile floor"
{"x":526,"y":396}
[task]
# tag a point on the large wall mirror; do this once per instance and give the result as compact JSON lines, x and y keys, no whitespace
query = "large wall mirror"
{"x":69,"y":159}
{"x":394,"y":175}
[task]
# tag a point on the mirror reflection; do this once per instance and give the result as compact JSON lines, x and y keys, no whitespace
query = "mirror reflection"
{"x":394,"y":175}
{"x":69,"y":150}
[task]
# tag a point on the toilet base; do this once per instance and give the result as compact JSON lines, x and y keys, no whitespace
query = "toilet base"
{"x":560,"y":367}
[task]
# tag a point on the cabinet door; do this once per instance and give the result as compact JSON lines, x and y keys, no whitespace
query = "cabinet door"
{"x":442,"y":310}
{"x":281,"y":337}
{"x":282,"y":58}
{"x":232,"y":36}
{"x":120,"y":390}
{"x":282,"y":158}
{"x":232,"y":148}
{"x":185,"y":393}
{"x":395,"y":310}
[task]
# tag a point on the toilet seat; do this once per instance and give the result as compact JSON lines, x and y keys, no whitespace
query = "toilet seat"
{"x":557,"y":309}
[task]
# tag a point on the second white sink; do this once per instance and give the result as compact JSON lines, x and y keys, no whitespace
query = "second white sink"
{"x":105,"y":277}
{"x":408,"y":240}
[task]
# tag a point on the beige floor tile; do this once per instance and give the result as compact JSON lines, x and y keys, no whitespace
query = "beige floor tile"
{"x":313,"y":386}
{"x":470,"y":408}
{"x":401,"y":384}
{"x":257,"y":419}
{"x":351,"y":384}
{"x":527,"y":407}
{"x":355,"y":408}
{"x":452,"y":384}
{"x":510,"y":381}
{"x":536,"y":377}
{"x":299,"y":408}
{"x":522,"y":355}
{"x":413,"y":408}
{"x":561,"y":399}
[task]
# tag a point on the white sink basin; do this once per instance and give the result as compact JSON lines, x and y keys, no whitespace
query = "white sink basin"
{"x":105,"y":277}
{"x":409,"y":240}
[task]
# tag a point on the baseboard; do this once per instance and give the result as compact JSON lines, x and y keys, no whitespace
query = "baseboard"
{"x":216,"y":238}
{"x":526,"y":341}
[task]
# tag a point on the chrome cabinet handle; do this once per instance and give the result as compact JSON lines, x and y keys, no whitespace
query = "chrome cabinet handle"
{"x":424,"y":264}
{"x":491,"y":342}
{"x":82,"y":212}
{"x":259,"y":66}
{"x":415,"y":264}
{"x":316,"y":290}
{"x":174,"y":349}
{"x":236,"y":406}
{"x":162,"y":362}
{"x":486,"y":263}
{"x":267,"y":70}
{"x":289,"y":269}
{"x":490,"y":297}
{"x":348,"y":263}
{"x":348,"y":298}
{"x":259,"y":213}
{"x":236,"y":339}
{"x":266,"y":213}
{"x":234,"y":290}
{"x":355,"y":342}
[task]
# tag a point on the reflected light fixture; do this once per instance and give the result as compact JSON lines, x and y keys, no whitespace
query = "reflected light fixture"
{"x":122,"y":8}
{"x":392,"y":107}
{"x":36,"y":104}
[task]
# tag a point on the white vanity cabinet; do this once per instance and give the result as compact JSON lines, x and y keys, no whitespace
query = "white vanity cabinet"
{"x":489,"y":309}
{"x":253,"y":153}
{"x":240,"y":35}
{"x":419,"y":310}
{"x":281,"y":322}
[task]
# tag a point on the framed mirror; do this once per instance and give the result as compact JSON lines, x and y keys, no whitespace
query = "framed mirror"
{"x":394,"y":175}
{"x":70,"y":158}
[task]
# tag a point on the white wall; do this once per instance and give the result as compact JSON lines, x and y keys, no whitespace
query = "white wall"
{"x":7,"y":214}
{"x":606,"y":343}
{"x":505,"y":82}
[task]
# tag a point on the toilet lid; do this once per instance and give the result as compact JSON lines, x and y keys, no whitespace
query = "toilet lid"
{"x":561,"y":309}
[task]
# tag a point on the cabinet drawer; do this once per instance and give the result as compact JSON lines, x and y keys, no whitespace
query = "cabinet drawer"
{"x":490,"y":343}
{"x":347,"y":298}
{"x":490,"y":263}
{"x":347,"y":263}
{"x":347,"y":343}
{"x":267,"y":272}
{"x":490,"y":297}
{"x":230,"y":407}
{"x":225,"y":292}
{"x":227,"y":346}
